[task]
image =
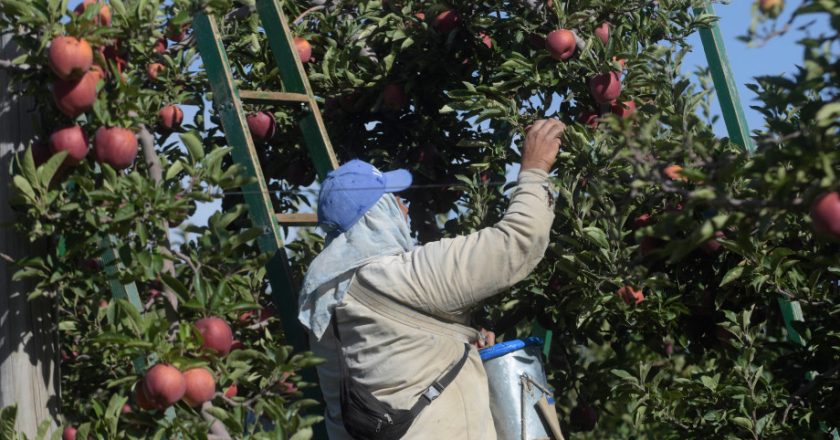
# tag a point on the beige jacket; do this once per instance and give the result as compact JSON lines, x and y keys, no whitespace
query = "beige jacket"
{"x":402,"y":320}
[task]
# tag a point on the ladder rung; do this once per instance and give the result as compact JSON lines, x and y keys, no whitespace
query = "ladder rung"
{"x":306,"y":219}
{"x":259,"y":97}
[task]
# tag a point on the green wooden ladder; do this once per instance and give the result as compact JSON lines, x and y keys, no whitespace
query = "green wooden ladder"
{"x":228,"y":101}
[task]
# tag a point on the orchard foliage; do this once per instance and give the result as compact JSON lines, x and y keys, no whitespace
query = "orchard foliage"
{"x":669,"y":253}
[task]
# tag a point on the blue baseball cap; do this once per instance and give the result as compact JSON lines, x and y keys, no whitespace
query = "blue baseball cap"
{"x":351,"y":190}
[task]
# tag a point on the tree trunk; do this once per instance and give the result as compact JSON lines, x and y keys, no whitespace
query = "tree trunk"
{"x":28,"y":340}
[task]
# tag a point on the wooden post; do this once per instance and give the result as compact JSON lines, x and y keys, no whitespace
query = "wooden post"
{"x":29,"y":376}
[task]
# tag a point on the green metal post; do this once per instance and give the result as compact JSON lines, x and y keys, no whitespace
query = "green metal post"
{"x":725,"y":85}
{"x":736,"y":125}
{"x":295,"y":80}
{"x":739,"y":133}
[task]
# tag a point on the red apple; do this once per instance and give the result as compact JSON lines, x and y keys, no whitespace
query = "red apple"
{"x":140,"y":397}
{"x":170,"y":117}
{"x":394,"y":98}
{"x":621,"y":62}
{"x":237,"y":345}
{"x":603,"y":32}
{"x":286,"y":386}
{"x":643,"y":220}
{"x":584,"y":417}
{"x":304,"y":49}
{"x":72,"y":140}
{"x":771,"y":7}
{"x":103,"y":304}
{"x":76,"y":96}
{"x":446,"y":21}
{"x":606,"y":87}
{"x":630,"y":295}
{"x":126,"y":409}
{"x":164,"y":385}
{"x":216,"y":333}
{"x":201,"y":386}
{"x":588,"y":118}
{"x":231,"y":391}
{"x":712,"y":246}
{"x":69,"y":433}
{"x":69,"y":57}
{"x":561,"y":44}
{"x":115,"y":146}
{"x":104,"y":15}
{"x":176,"y":33}
{"x":262,"y":126}
{"x":624,"y":109}
{"x":160,"y":46}
{"x":486,"y":40}
{"x":674,"y":172}
{"x":154,"y":70}
{"x":825,"y":214}
{"x":98,"y":72}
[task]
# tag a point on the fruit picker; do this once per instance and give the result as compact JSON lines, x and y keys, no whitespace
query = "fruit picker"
{"x":389,"y":316}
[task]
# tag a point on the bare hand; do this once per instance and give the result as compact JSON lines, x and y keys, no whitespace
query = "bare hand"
{"x":542,"y":143}
{"x":487,"y":339}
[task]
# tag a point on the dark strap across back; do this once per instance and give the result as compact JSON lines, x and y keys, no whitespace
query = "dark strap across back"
{"x":365,"y":417}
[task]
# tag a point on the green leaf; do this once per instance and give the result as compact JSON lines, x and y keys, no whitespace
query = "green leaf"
{"x":624,"y":375}
{"x":408,"y":42}
{"x":303,"y":434}
{"x":173,"y":170}
{"x":743,"y":422}
{"x":8,"y":417}
{"x":709,"y":382}
{"x":28,"y":166}
{"x":24,"y":188}
{"x":47,"y":171}
{"x":597,"y":235}
{"x":119,"y":7}
{"x":174,"y":284}
{"x":732,"y":275}
{"x":828,"y":114}
{"x":194,"y":145}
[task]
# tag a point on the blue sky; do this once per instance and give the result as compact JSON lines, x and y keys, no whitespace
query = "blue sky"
{"x":779,"y":55}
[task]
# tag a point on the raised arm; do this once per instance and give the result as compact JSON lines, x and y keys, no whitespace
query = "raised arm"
{"x":451,"y":275}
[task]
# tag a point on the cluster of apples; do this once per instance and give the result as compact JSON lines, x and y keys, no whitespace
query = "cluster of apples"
{"x":163,"y":385}
{"x":75,"y":92}
{"x":605,"y":88}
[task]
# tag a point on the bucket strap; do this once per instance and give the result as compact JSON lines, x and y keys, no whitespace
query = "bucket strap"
{"x":433,"y":392}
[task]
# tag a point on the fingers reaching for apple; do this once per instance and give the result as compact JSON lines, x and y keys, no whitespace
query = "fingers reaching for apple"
{"x":542,"y":143}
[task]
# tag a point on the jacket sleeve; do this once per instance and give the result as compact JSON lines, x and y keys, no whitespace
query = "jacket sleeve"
{"x":449,"y":276}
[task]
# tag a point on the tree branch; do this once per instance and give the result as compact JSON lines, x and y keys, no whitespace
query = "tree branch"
{"x":147,"y":141}
{"x":239,"y":13}
{"x":305,"y":13}
{"x":805,"y":388}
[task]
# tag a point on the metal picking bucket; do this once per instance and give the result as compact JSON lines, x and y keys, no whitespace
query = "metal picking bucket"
{"x":517,"y":381}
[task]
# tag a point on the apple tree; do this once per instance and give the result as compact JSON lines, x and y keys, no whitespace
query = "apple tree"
{"x":670,"y":250}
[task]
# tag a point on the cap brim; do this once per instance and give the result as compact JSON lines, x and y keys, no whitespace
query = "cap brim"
{"x":397,"y":180}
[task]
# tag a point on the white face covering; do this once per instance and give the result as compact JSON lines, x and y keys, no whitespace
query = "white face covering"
{"x":383,"y":231}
